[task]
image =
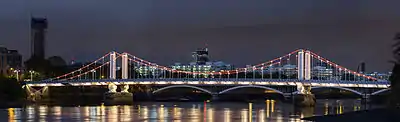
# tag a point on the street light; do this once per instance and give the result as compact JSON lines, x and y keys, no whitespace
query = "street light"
{"x":31,"y":72}
{"x":17,"y":71}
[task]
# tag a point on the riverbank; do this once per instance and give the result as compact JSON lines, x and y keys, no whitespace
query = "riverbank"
{"x":12,"y":104}
{"x":373,"y":115}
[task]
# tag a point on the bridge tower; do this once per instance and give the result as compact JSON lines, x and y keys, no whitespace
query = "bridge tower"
{"x":124,"y":69}
{"x":124,"y":66}
{"x":307,"y":65}
{"x":112,"y":96}
{"x":304,"y":97}
{"x":304,"y":65}
{"x":113,"y":64}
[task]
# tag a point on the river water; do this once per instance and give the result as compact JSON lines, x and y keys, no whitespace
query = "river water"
{"x":270,"y":110}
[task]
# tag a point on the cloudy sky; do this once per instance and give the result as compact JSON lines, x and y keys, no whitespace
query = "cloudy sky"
{"x":237,"y":31}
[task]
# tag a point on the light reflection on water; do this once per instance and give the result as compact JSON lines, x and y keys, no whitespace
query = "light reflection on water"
{"x":271,"y":110}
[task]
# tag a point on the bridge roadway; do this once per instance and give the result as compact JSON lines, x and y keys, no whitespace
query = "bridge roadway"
{"x":362,"y":88}
{"x":214,"y":81}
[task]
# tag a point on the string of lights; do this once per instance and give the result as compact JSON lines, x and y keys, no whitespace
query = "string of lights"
{"x":262,"y":66}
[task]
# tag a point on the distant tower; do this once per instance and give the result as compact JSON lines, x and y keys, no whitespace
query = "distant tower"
{"x":201,"y":56}
{"x":38,"y":36}
{"x":361,"y":67}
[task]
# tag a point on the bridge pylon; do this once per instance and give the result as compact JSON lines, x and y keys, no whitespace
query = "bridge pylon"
{"x":113,"y":65}
{"x":125,"y":66}
{"x":304,"y":65}
{"x":304,"y":97}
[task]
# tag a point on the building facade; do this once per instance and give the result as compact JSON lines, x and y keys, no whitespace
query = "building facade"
{"x":201,"y":64}
{"x":320,"y":72}
{"x":382,"y":76}
{"x":9,"y":60}
{"x":200,"y":56}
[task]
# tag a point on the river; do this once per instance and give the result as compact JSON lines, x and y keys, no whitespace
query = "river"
{"x":270,"y":110}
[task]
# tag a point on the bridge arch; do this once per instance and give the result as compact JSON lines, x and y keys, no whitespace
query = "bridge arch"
{"x":250,"y":86}
{"x":380,"y":91}
{"x":342,"y":88}
{"x":182,"y":86}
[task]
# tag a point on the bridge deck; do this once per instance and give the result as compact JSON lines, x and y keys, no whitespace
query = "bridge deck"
{"x":216,"y":81}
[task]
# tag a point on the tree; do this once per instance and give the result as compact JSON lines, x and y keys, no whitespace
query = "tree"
{"x":394,"y":98}
{"x":40,"y":65}
{"x":52,"y":67}
{"x":57,"y":66}
{"x":10,"y":89}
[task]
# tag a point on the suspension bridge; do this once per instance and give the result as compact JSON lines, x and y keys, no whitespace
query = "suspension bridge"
{"x":310,"y":71}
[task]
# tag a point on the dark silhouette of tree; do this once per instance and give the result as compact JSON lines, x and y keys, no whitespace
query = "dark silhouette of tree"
{"x":10,"y":90}
{"x":394,"y":98}
{"x":40,"y":65}
{"x":52,"y":67}
{"x":57,"y":66}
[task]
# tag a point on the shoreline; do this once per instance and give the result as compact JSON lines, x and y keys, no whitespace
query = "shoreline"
{"x":371,"y":115}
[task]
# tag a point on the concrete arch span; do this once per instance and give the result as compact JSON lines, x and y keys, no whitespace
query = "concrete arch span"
{"x":182,"y":86}
{"x":381,"y":91}
{"x":250,"y":86}
{"x":342,"y":88}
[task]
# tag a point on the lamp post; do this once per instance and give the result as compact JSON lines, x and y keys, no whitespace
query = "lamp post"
{"x":17,"y":71}
{"x":31,"y":72}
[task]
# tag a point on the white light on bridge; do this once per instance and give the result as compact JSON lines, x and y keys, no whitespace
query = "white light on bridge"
{"x":177,"y":82}
{"x":41,"y":84}
{"x":383,"y":86}
{"x":145,"y":82}
{"x":210,"y":82}
{"x":57,"y":84}
{"x":161,"y":82}
{"x":292,"y":83}
{"x":227,"y":82}
{"x":244,"y":83}
{"x":261,"y":83}
{"x":315,"y":84}
{"x":194,"y":82}
{"x":279,"y":83}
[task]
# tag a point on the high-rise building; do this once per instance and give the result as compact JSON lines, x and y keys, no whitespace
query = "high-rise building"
{"x":38,"y":36}
{"x":202,"y":63}
{"x":201,"y":56}
{"x":361,"y":67}
{"x":3,"y":61}
{"x":9,"y":59}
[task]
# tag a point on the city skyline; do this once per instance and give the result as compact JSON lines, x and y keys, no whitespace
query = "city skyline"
{"x":159,"y":32}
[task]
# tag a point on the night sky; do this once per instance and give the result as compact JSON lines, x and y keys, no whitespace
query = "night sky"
{"x":239,"y":32}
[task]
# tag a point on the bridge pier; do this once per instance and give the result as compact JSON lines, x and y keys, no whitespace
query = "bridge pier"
{"x":288,"y":96}
{"x":215,"y":97}
{"x":114,"y":97}
{"x":304,"y":97}
{"x":366,"y":98}
{"x":34,"y":95}
{"x":125,"y":89}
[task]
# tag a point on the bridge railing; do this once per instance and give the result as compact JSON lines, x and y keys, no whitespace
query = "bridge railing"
{"x":207,"y":79}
